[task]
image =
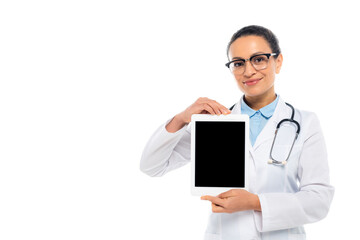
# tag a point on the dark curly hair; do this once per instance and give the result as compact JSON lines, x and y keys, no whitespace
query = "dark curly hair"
{"x":260,"y":31}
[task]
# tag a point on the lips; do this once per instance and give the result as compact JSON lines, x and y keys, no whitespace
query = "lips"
{"x":252,"y":82}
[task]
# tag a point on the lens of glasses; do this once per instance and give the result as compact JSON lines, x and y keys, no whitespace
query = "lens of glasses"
{"x":259,"y":62}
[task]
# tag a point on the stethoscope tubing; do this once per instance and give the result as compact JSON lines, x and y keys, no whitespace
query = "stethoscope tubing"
{"x":283,"y":163}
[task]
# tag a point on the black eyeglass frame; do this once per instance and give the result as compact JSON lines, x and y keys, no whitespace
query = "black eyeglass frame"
{"x":268,"y":55}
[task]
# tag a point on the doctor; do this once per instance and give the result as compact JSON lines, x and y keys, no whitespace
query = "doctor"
{"x":281,"y":198}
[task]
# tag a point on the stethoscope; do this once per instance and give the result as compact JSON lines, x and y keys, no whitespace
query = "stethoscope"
{"x":272,"y":160}
{"x":283,"y":163}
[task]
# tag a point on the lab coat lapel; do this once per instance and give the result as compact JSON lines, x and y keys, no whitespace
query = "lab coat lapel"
{"x":237,"y":110}
{"x":268,"y":132}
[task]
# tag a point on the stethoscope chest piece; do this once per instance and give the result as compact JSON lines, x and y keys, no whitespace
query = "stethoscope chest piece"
{"x":271,"y":161}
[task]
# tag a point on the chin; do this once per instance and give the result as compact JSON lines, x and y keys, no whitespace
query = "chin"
{"x":252,"y":92}
{"x":256,"y":91}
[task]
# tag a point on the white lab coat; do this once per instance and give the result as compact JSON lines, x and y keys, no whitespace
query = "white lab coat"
{"x":290,"y":196}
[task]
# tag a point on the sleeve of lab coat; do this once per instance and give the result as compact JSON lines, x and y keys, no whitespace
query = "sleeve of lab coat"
{"x":166,"y":151}
{"x":312,"y":202}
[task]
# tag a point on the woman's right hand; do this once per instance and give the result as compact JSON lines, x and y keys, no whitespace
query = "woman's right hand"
{"x":200,"y":106}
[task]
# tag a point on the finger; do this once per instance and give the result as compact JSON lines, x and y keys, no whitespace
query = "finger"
{"x":208,"y":108}
{"x":214,"y":106}
{"x":225,"y":110}
{"x":227,"y":194}
{"x":204,"y":99}
{"x":214,"y":200}
{"x":212,"y":103}
{"x":217,"y":107}
{"x":222,"y":109}
{"x":217,"y":209}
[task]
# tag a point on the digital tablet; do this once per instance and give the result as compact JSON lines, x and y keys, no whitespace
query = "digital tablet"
{"x":218,"y":153}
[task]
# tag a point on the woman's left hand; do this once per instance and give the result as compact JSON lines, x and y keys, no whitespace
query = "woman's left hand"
{"x":234,"y":200}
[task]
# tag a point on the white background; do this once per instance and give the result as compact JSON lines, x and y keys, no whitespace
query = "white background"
{"x":84,"y":84}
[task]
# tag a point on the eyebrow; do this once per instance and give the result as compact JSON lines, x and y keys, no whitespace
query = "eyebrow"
{"x":239,"y":58}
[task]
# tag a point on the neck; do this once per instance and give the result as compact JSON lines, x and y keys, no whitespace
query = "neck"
{"x":258,"y":102}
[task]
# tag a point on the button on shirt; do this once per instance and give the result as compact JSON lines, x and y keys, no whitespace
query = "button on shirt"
{"x":258,"y":118}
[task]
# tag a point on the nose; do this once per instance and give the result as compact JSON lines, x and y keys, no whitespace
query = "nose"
{"x":249,"y":69}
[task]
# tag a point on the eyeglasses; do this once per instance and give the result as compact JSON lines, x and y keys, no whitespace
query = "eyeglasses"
{"x":258,"y":61}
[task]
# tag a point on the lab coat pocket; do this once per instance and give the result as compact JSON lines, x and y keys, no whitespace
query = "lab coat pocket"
{"x":286,"y":153}
{"x":283,"y":178}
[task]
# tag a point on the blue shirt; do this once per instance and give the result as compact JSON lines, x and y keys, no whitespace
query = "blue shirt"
{"x":258,"y":118}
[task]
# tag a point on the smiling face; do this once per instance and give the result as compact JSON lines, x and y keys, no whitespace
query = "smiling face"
{"x":254,"y":83}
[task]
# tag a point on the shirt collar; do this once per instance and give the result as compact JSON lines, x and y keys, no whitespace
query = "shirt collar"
{"x":266,"y":111}
{"x":245,"y":109}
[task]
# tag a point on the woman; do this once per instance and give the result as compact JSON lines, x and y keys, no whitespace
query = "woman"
{"x":281,"y":198}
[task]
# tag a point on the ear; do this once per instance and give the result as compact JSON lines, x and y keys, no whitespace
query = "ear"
{"x":278,"y":63}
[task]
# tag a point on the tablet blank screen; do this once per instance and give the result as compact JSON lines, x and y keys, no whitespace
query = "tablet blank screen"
{"x":220,"y":154}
